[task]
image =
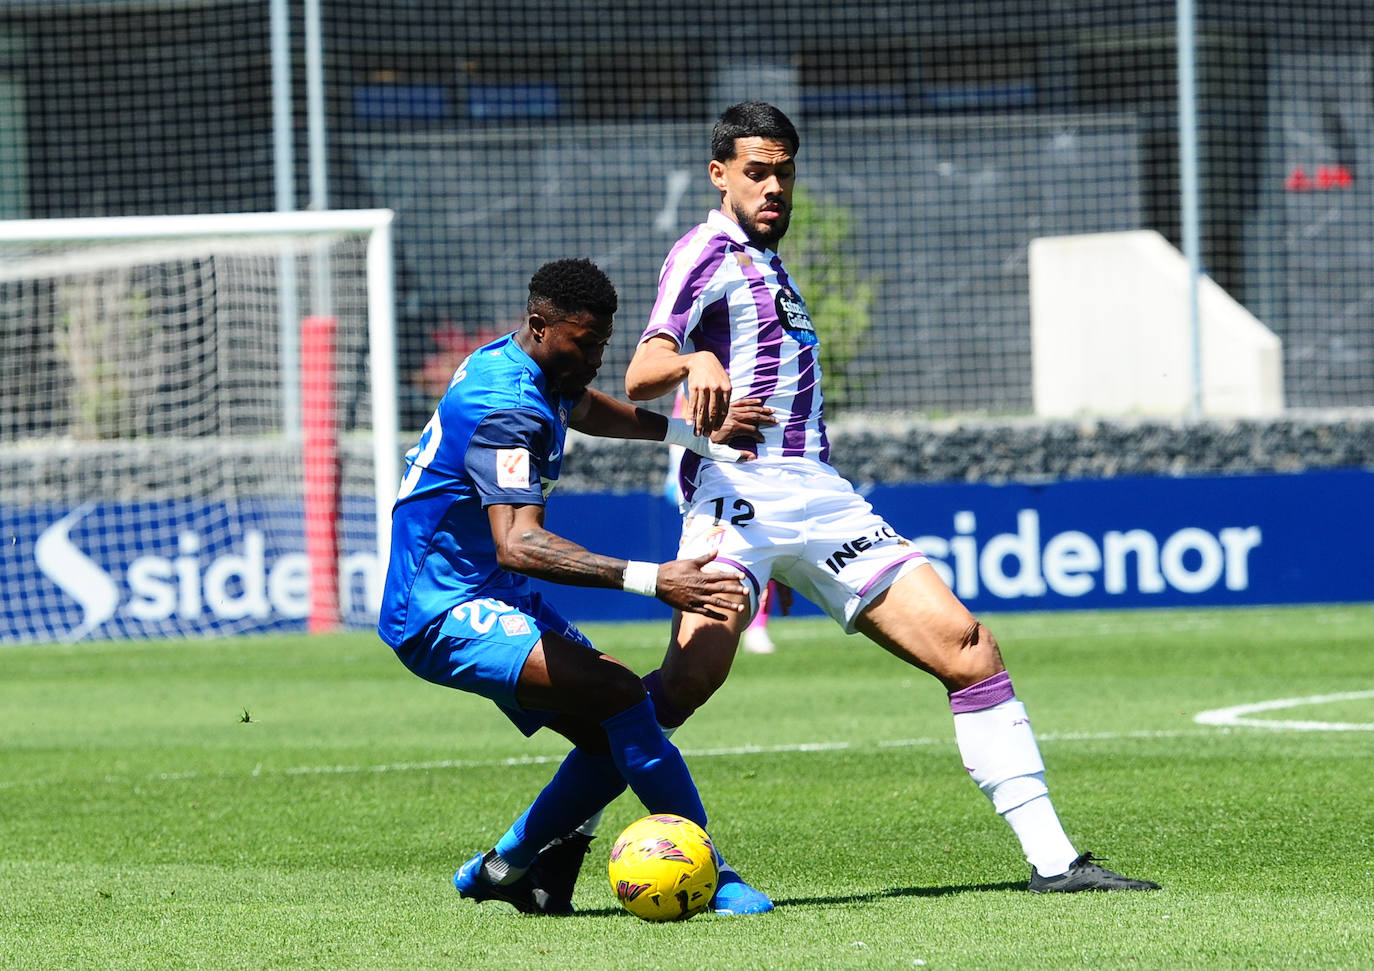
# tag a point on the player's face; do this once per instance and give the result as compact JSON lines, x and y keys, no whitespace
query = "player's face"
{"x":573,"y":348}
{"x":756,"y":188}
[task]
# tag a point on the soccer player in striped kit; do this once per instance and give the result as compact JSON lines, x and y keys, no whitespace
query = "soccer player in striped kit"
{"x":729,"y":324}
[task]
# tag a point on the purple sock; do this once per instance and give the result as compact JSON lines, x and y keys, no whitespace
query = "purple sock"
{"x":985,"y":694}
{"x":668,"y":714}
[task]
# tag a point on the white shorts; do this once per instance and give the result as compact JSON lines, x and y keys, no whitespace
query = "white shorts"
{"x":801,"y":524}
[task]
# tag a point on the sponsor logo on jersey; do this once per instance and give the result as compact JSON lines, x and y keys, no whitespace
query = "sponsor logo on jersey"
{"x":793,"y":316}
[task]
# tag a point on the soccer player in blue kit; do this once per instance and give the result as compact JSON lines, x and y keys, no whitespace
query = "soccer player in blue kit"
{"x":467,"y":533}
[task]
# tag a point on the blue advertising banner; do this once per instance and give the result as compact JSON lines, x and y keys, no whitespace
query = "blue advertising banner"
{"x":111,"y":570}
{"x":1081,"y":544}
{"x":163,"y":568}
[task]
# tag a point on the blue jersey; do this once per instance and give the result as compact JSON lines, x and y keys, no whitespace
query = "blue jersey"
{"x":495,"y":438}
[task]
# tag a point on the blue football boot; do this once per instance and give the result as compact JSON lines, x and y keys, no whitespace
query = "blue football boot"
{"x":736,"y":898}
{"x":520,"y":894}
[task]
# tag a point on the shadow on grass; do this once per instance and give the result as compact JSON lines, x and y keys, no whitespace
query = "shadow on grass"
{"x":853,"y":898}
{"x":859,"y":898}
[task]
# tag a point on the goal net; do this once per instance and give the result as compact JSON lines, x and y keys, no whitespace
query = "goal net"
{"x":197,"y":423}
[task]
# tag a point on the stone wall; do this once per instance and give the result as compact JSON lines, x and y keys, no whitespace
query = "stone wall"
{"x":1027,"y":449}
{"x":873,"y":449}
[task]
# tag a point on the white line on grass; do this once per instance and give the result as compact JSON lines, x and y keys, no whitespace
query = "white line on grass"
{"x":792,"y":747}
{"x":445,"y":764}
{"x":1237,"y":715}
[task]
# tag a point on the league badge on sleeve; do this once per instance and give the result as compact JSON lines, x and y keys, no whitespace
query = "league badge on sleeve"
{"x":512,"y":468}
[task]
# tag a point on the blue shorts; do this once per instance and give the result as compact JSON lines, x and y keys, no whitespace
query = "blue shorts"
{"x":481,"y":646}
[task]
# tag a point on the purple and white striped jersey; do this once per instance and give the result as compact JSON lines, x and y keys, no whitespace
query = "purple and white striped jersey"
{"x":730,"y":298}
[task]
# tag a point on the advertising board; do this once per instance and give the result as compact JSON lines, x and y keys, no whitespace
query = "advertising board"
{"x":180,"y":568}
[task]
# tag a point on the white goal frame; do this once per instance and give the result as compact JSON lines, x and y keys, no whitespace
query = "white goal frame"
{"x":381,"y":324}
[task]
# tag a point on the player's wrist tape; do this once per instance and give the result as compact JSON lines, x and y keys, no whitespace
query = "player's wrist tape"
{"x":680,"y":433}
{"x":640,"y":577}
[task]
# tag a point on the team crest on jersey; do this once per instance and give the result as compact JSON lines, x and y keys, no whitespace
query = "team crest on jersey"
{"x":792,"y":314}
{"x":515,"y":625}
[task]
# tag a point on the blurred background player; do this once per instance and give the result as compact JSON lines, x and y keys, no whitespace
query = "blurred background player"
{"x":755,"y":639}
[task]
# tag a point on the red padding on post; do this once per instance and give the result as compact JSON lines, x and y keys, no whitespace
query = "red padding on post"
{"x":320,"y":459}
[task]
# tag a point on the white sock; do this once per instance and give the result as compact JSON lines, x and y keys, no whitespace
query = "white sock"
{"x":589,"y":827}
{"x":1000,"y":754}
{"x":1036,"y":825}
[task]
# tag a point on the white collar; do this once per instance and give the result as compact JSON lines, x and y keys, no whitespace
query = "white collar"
{"x":721,"y":223}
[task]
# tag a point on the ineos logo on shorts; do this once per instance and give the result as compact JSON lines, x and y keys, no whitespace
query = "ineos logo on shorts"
{"x":792,"y":314}
{"x":849,"y":551}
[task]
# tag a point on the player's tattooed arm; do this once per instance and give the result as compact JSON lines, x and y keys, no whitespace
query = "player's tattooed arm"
{"x":523,"y":545}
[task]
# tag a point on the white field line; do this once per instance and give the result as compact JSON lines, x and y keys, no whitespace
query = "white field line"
{"x":524,"y":760}
{"x":1238,"y":715}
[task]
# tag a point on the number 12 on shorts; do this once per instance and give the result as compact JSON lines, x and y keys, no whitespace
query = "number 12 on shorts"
{"x":742,"y":508}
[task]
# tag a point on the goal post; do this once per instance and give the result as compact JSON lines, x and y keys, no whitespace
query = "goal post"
{"x":159,"y":472}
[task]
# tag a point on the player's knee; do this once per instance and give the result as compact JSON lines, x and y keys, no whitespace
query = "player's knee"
{"x":976,"y":657}
{"x":691,"y":687}
{"x":620,"y":690}
{"x":697,"y":664}
{"x":586,"y":734}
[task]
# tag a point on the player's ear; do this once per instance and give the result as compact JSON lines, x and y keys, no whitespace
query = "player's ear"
{"x":537,"y":325}
{"x":716,"y":170}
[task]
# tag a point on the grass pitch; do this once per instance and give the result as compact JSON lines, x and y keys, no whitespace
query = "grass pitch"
{"x":300,"y":802}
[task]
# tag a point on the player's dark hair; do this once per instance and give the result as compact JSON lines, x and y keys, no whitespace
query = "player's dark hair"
{"x":751,"y":119}
{"x":571,"y":286}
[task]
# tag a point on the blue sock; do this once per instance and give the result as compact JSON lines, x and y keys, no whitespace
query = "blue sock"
{"x":582,"y":785}
{"x":651,"y":764}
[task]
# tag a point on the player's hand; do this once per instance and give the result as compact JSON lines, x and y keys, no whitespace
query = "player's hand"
{"x":744,"y":420}
{"x":708,"y":393}
{"x":685,"y":585}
